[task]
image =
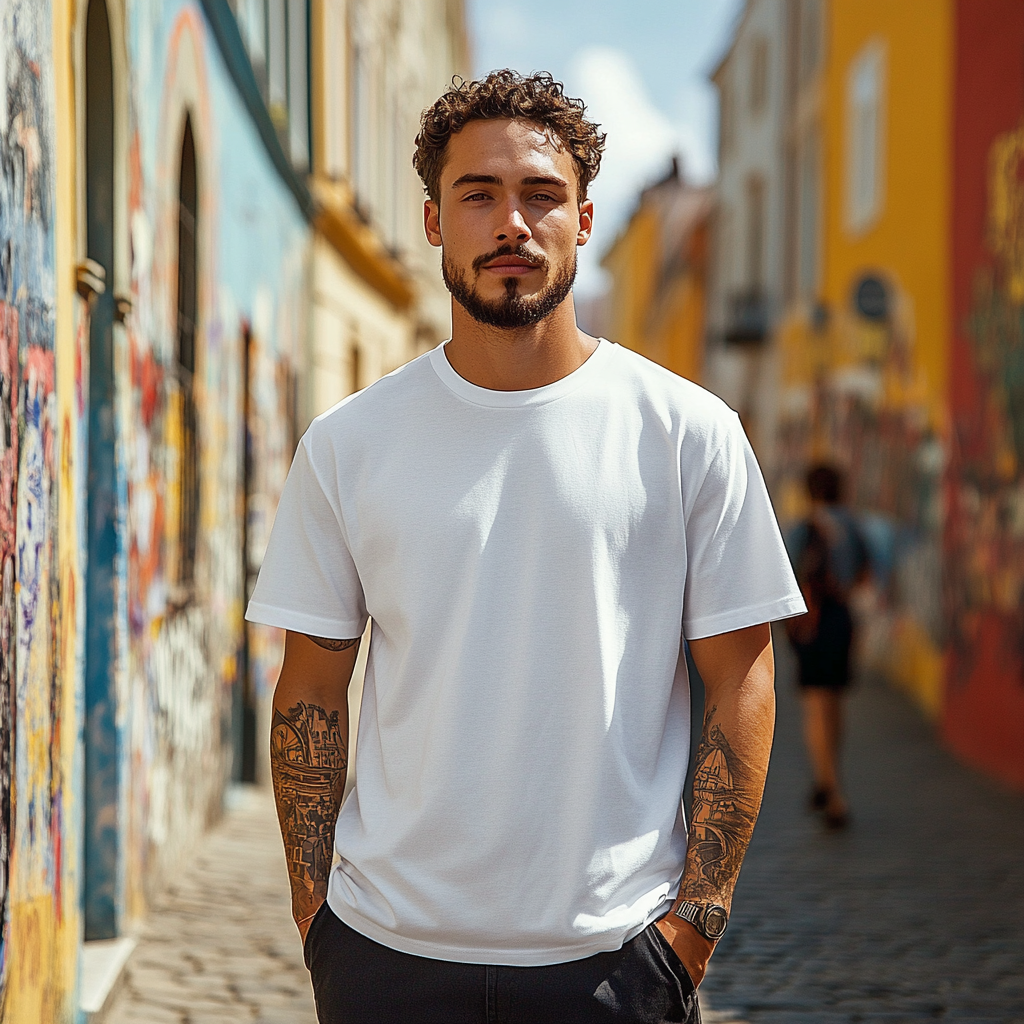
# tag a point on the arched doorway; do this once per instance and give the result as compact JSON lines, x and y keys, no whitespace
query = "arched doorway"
{"x":99,"y":893}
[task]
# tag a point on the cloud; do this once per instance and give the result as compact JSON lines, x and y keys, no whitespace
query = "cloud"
{"x":641,"y":142}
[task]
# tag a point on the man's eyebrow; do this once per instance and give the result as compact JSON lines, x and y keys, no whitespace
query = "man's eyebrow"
{"x":477,"y":179}
{"x":493,"y":179}
{"x":542,"y":179}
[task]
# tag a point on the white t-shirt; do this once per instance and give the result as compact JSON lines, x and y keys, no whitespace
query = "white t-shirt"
{"x":531,"y":561}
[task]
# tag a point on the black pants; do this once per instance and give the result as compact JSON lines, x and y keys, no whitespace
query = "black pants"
{"x":359,"y":981}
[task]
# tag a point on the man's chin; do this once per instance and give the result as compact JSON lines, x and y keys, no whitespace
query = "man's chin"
{"x":506,"y":306}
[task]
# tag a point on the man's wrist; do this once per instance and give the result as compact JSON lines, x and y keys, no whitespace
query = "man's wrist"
{"x":707,"y":916}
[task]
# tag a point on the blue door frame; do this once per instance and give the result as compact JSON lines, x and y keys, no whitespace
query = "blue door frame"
{"x":99,"y":892}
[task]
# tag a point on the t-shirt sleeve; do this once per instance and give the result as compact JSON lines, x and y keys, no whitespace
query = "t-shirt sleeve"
{"x":738,"y":573}
{"x":308,"y":581}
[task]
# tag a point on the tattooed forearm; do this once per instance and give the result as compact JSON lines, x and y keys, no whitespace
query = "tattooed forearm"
{"x":726,"y":797}
{"x":333,"y":645}
{"x":308,"y":764}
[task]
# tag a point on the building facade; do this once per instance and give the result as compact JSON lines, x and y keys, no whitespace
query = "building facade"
{"x":378,"y":297}
{"x":659,"y":268}
{"x":153,"y":255}
{"x":899,"y":350}
{"x":746,"y":279}
{"x":983,"y":532}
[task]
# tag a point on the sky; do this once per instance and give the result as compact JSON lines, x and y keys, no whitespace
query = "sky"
{"x":642,"y":68}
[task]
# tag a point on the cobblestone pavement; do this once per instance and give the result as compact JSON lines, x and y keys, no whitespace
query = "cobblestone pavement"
{"x":916,"y":912}
{"x":220,"y":946}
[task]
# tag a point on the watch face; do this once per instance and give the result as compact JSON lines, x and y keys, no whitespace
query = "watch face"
{"x":715,"y":920}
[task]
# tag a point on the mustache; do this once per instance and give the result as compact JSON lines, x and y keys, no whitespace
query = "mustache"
{"x":508,"y":250}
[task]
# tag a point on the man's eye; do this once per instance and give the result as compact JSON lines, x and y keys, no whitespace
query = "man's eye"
{"x":476,"y":195}
{"x":545,"y":196}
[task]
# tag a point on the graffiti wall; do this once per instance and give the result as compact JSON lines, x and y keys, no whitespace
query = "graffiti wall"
{"x":187,"y":649}
{"x":984,"y":536}
{"x":37,"y":625}
{"x":204,"y":301}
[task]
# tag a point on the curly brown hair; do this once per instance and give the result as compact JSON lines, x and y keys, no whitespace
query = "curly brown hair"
{"x":506,"y":94}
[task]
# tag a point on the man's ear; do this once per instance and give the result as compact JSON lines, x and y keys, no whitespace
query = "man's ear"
{"x":586,"y":222}
{"x":432,"y":222}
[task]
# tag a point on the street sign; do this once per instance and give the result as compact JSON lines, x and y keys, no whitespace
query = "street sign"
{"x":871,"y":298}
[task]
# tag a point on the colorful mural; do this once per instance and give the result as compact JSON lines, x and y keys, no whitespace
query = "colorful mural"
{"x":984,"y":534}
{"x":34,"y":833}
{"x":176,"y":656}
{"x":186,"y":650}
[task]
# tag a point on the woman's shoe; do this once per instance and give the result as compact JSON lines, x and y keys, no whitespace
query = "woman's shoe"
{"x":819,"y":798}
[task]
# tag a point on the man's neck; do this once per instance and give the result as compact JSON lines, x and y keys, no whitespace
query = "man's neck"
{"x":519,"y":359}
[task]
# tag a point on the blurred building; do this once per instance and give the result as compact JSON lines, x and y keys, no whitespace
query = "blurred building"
{"x":658,"y":265}
{"x":345,"y":82}
{"x":169,"y":212}
{"x":900,"y":335}
{"x":862,"y":303}
{"x":746,"y":279}
{"x":983,"y":528}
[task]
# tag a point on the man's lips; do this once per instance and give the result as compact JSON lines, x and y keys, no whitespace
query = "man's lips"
{"x":506,"y":266}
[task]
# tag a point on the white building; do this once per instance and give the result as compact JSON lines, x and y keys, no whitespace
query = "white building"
{"x":378,"y":295}
{"x":747,"y":271}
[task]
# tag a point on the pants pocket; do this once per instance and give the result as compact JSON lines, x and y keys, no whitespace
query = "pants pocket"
{"x":671,"y":958}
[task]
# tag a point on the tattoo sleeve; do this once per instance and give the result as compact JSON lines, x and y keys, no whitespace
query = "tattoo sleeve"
{"x":308,"y":764}
{"x":726,"y":799}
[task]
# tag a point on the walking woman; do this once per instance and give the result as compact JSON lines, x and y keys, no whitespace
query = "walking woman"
{"x":830,"y":559}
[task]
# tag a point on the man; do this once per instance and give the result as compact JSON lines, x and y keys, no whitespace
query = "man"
{"x":534,"y":519}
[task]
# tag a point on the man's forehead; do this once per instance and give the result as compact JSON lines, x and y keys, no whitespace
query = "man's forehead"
{"x":493,"y":146}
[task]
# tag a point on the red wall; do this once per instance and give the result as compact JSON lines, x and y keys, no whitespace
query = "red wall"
{"x":983,"y":717}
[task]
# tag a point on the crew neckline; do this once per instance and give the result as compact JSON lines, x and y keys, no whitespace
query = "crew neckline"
{"x":470,"y":392}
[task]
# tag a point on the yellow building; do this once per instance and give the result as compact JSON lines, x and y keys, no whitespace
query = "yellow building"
{"x":658,"y":265}
{"x":865,"y":331}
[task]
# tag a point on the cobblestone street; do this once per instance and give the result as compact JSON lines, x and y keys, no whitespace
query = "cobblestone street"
{"x":220,"y":948}
{"x":915,"y":913}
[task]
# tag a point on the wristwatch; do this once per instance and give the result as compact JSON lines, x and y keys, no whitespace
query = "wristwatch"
{"x":708,"y":918}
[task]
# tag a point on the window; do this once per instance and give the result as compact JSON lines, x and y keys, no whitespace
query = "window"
{"x":864,"y":127}
{"x":808,"y":214}
{"x":298,"y":83}
{"x":809,"y":32}
{"x":276,"y":37}
{"x":360,"y":121}
{"x":725,"y":120}
{"x":355,"y":368}
{"x":759,"y":76}
{"x":277,"y":64}
{"x":333,"y":59}
{"x":755,"y":234}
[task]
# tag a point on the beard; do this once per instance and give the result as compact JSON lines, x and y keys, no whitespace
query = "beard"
{"x":513,"y":310}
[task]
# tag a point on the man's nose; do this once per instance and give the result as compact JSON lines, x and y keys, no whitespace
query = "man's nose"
{"x":513,"y":227}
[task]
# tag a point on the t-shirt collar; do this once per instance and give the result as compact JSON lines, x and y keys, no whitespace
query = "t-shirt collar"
{"x":518,"y":399}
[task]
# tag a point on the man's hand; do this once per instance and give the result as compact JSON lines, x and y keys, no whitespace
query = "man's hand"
{"x":688,"y":944}
{"x":303,"y":926}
